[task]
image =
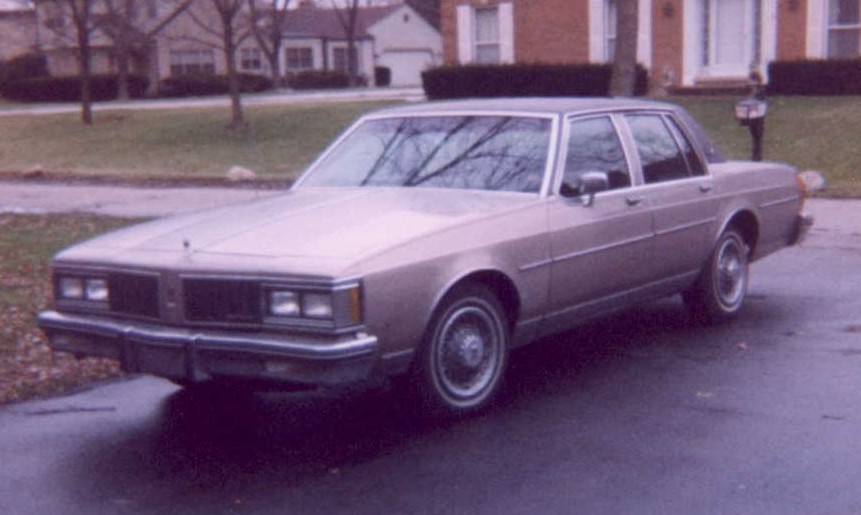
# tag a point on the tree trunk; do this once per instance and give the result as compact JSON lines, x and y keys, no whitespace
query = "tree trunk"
{"x":122,"y":54}
{"x":624,"y":78}
{"x":84,"y":54}
{"x":237,"y":118}
{"x":275,"y":65}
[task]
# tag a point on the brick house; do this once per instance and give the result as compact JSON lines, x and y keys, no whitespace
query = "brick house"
{"x":681,"y":42}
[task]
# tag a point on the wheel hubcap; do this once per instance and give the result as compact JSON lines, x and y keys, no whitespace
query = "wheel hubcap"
{"x":731,"y":273}
{"x":468,"y":354}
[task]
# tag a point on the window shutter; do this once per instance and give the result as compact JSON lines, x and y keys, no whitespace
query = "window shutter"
{"x":464,"y":34}
{"x":506,"y":32}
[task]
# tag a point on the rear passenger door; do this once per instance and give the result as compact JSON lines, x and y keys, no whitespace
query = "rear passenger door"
{"x":680,"y":192}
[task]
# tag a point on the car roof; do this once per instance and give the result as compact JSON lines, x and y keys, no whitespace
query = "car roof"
{"x":537,"y":105}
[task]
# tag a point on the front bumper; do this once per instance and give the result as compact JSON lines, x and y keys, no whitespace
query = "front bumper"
{"x":803,"y":223}
{"x":194,"y":356}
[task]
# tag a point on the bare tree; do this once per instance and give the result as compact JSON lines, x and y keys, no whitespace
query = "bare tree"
{"x":227,"y":31}
{"x":131,"y":26}
{"x":624,"y":78}
{"x":78,"y":35}
{"x":267,"y":25}
{"x":348,"y":16}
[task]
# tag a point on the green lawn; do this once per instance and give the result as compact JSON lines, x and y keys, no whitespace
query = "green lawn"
{"x":818,"y":133}
{"x":811,"y":133}
{"x":279,"y":143}
{"x":27,"y":366}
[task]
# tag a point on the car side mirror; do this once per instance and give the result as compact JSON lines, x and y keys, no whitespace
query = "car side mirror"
{"x":587,"y":185}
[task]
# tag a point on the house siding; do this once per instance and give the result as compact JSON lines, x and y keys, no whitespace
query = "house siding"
{"x":668,"y":39}
{"x":671,"y":40}
{"x":548,"y":31}
{"x":552,"y":31}
{"x":18,"y":29}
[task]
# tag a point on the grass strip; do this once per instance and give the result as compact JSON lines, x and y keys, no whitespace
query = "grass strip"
{"x":28,"y":368}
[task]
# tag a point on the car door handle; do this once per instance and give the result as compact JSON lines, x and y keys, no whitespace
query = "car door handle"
{"x":633,"y":201}
{"x":705,"y":188}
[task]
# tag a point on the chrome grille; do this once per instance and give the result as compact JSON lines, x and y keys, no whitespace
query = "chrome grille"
{"x":222,"y":301}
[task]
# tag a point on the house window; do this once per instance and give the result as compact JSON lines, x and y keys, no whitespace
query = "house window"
{"x":844,"y":29}
{"x":487,"y":35}
{"x":250,"y":60}
{"x":186,"y":62}
{"x":610,"y":23}
{"x":340,"y":59}
{"x":300,"y":58}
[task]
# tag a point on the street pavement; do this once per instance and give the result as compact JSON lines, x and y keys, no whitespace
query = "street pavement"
{"x":838,"y":222}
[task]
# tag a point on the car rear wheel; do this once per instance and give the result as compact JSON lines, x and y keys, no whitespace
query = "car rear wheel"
{"x":722,"y":286}
{"x":464,"y":353}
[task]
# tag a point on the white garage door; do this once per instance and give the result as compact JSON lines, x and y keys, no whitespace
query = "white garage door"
{"x":406,"y":65}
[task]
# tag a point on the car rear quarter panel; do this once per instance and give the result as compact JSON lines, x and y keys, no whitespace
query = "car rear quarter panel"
{"x":766,"y":190}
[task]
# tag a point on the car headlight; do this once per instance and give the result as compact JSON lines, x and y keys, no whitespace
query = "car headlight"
{"x":342,"y":307}
{"x":79,"y":287}
{"x":96,"y":290}
{"x":71,"y":287}
{"x":317,"y":305}
{"x":284,"y":303}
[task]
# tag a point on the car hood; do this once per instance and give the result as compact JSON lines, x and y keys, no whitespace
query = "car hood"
{"x":334,"y":223}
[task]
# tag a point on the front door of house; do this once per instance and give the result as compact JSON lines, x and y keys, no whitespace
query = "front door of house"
{"x":730,"y":33}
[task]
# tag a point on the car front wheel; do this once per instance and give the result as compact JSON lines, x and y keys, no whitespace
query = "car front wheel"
{"x":722,"y":286}
{"x":464,"y":353}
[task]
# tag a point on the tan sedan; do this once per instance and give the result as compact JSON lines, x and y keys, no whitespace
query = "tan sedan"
{"x":428,"y":241}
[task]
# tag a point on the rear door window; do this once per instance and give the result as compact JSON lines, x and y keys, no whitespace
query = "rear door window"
{"x":660,"y":155}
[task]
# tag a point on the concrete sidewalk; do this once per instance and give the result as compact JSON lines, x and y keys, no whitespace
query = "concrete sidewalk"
{"x":838,"y":222}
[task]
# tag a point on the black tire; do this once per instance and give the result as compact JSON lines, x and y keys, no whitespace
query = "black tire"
{"x":464,"y":353}
{"x":721,"y":288}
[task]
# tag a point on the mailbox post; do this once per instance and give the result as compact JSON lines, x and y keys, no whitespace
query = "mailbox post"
{"x":751,"y":113}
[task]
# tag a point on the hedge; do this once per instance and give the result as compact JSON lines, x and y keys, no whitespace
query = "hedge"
{"x":68,"y":89}
{"x":523,"y":80}
{"x":318,"y":79}
{"x":206,"y":84}
{"x":23,"y":67}
{"x":818,"y":77}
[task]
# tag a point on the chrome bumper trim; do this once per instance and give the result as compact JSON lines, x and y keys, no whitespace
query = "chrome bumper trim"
{"x":194,"y":355}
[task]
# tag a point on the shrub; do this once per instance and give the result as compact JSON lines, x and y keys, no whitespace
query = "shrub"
{"x":523,"y":80}
{"x":205,"y":84}
{"x":23,"y":67}
{"x":382,"y":76}
{"x":318,"y":79}
{"x":68,"y":89}
{"x":818,"y":77}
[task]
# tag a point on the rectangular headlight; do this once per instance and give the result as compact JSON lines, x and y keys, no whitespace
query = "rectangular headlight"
{"x":317,"y":305}
{"x":284,"y":303}
{"x":96,"y":290}
{"x":71,"y":288}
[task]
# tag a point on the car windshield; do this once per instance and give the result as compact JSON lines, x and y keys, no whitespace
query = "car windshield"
{"x":499,"y":153}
